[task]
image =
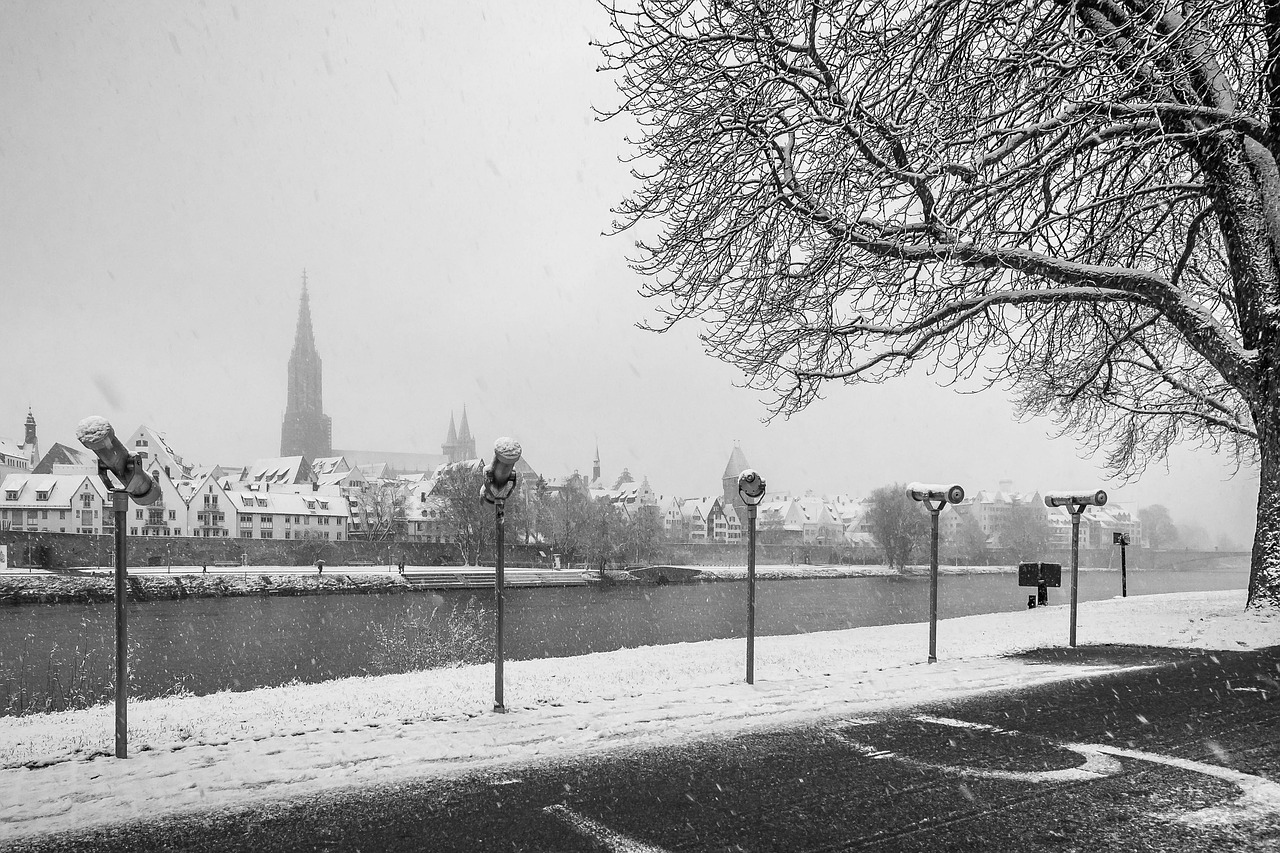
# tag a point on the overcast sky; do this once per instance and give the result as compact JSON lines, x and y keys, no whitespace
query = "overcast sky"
{"x":168,"y":169}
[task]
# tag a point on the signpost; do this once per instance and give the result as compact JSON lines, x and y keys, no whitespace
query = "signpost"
{"x":1122,"y":539}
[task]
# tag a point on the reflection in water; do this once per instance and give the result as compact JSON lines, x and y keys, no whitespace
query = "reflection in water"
{"x":59,"y":656}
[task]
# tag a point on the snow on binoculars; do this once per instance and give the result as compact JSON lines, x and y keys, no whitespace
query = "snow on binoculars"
{"x":936,"y":492}
{"x":751,"y":484}
{"x":95,"y":433}
{"x":1069,"y":499}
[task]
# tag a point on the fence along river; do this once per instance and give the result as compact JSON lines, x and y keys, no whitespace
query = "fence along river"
{"x":58,"y":656}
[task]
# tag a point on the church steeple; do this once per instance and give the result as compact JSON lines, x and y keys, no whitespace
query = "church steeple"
{"x":30,"y":443}
{"x":307,"y":430}
{"x":459,"y":445}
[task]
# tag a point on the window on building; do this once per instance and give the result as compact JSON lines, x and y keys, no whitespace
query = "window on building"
{"x":173,"y":514}
{"x":177,"y":531}
{"x":11,"y":494}
{"x":62,"y":514}
{"x":86,"y":500}
{"x":246,"y":534}
{"x":139,"y":515}
{"x":266,"y":534}
{"x":42,"y":496}
{"x":266,"y":520}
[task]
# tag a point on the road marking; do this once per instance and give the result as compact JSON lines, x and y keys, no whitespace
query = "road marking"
{"x":614,"y":842}
{"x":1259,"y":798}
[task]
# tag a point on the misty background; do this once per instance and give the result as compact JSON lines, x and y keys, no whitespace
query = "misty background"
{"x":170,"y":168}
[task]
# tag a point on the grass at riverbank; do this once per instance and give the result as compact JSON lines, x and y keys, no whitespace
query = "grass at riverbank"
{"x":85,"y":588}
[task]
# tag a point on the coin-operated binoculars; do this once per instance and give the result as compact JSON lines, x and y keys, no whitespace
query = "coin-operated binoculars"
{"x":1075,"y":503}
{"x":935,"y":497}
{"x":751,"y":490}
{"x":123,"y":475}
{"x":499,"y":482}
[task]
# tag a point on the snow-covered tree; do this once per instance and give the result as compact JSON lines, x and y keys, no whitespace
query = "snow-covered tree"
{"x":898,"y":524}
{"x":1077,"y":200}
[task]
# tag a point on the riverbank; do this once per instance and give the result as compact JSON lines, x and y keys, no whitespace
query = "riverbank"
{"x":87,"y":588}
{"x":229,"y":749}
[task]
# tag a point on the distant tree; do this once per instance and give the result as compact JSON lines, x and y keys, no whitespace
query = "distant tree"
{"x":458,"y":486}
{"x":564,"y":519}
{"x":898,"y":524}
{"x":643,"y":534}
{"x":380,"y":506}
{"x":1158,"y":526}
{"x":606,"y":533}
{"x":1026,"y":532}
{"x":969,"y":544}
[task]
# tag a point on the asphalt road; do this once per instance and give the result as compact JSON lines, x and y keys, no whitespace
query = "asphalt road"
{"x":1183,"y":755}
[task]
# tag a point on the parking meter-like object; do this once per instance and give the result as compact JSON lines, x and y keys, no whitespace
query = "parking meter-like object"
{"x":1075,"y":502}
{"x":934,"y":496}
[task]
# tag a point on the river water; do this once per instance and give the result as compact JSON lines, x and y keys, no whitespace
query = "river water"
{"x":58,"y":656}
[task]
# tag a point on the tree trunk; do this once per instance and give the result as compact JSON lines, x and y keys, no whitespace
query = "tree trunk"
{"x":1264,"y":569}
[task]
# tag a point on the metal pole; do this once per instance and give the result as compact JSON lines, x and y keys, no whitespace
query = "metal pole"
{"x":1124,"y":574}
{"x":751,"y":594}
{"x":499,"y":599}
{"x":1075,"y":566}
{"x":120,"y":503}
{"x":933,"y":586}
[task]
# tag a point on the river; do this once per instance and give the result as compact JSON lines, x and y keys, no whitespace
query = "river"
{"x":59,"y":656}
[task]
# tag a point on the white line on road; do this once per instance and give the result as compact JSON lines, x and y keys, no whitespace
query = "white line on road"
{"x":1259,"y":799}
{"x":614,"y":842}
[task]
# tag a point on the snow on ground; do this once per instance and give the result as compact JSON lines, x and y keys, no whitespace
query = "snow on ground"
{"x":192,"y":753}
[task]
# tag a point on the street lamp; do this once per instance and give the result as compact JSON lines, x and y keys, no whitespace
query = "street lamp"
{"x":1075,"y":503}
{"x":131,"y":481}
{"x":499,"y":483}
{"x":934,"y":497}
{"x":751,"y":490}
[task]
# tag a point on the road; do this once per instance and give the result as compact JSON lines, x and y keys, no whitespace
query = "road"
{"x":1182,"y":754}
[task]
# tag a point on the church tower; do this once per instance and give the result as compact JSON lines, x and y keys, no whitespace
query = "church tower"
{"x":459,"y":445}
{"x":729,"y":480}
{"x":30,"y":444}
{"x":307,"y":430}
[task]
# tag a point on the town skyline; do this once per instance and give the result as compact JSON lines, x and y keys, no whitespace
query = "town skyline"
{"x":172,"y":171}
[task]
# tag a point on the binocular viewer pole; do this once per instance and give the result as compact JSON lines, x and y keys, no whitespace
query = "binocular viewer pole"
{"x":935,"y":498}
{"x":751,"y":489}
{"x":1075,"y":503}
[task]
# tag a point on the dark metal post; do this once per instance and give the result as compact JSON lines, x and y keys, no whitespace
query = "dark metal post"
{"x":500,"y":518}
{"x":934,"y":511}
{"x":1124,"y":574}
{"x":120,"y":504}
{"x":1076,"y":512}
{"x":751,"y":594}
{"x":751,"y":490}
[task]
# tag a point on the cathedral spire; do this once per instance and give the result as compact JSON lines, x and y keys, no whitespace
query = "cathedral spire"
{"x":307,"y":430}
{"x":464,"y":431}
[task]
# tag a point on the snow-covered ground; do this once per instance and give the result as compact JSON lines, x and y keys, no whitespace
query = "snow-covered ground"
{"x":192,"y":753}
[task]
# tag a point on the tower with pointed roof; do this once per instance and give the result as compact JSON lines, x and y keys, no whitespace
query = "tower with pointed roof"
{"x":737,"y":464}
{"x":459,"y":444}
{"x":30,"y":443}
{"x":307,"y":430}
{"x":595,"y":465}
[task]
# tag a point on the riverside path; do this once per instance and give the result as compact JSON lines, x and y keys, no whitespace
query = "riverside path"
{"x":1180,"y":754}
